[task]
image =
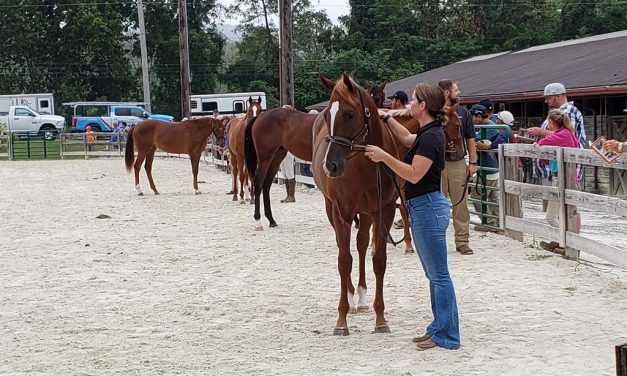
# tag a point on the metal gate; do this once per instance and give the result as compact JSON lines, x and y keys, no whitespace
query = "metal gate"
{"x":33,"y":145}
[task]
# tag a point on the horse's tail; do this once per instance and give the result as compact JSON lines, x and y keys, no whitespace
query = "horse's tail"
{"x":129,"y":154}
{"x":250,"y":152}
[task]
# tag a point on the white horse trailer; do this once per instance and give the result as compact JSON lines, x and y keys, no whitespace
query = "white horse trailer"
{"x":226,"y":104}
{"x":41,"y":103}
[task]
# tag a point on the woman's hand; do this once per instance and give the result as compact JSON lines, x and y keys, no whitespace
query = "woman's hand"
{"x":375,"y":153}
{"x":382,"y":113}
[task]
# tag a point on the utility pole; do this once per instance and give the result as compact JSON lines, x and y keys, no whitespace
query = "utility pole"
{"x":184,"y":59}
{"x":287,"y":54}
{"x":144,"y":52}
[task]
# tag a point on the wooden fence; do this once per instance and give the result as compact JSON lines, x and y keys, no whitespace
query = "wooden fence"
{"x":512,"y":190}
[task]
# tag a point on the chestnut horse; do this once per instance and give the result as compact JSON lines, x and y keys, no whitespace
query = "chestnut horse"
{"x":278,"y":132}
{"x":267,"y":141}
{"x":352,"y":184}
{"x":237,"y":127}
{"x":186,"y":137}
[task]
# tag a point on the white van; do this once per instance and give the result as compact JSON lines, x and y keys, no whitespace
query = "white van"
{"x":226,"y":104}
{"x":41,"y":103}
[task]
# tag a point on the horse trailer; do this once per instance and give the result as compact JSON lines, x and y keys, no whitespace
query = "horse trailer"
{"x":226,"y":104}
{"x":40,"y":103}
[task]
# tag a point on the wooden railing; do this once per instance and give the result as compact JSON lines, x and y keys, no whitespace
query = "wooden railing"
{"x":512,"y":190}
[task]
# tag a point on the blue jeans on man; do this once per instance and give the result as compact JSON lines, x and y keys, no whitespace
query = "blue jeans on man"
{"x":429,"y":218}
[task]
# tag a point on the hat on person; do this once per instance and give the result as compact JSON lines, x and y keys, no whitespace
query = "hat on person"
{"x":400,"y":95}
{"x":555,"y":88}
{"x":88,"y":127}
{"x":506,"y":117}
{"x":478,"y":109}
{"x":487,"y":104}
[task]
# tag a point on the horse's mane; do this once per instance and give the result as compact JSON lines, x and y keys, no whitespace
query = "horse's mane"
{"x":343,"y":91}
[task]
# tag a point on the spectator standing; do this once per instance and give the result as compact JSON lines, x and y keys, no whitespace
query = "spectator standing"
{"x":490,"y":160}
{"x":555,"y":97}
{"x":563,"y":135}
{"x":287,"y":167}
{"x":456,"y":172}
{"x":90,"y":137}
{"x":399,"y":100}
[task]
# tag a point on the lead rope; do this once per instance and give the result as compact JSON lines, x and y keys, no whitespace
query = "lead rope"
{"x":379,"y":193}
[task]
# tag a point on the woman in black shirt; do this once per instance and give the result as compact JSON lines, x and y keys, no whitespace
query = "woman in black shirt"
{"x":428,"y":209}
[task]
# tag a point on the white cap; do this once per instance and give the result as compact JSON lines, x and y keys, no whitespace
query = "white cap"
{"x":554,"y":89}
{"x":506,"y":117}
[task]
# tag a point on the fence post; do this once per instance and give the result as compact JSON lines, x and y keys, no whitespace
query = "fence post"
{"x":509,"y":204}
{"x":573,"y":223}
{"x":10,"y":145}
{"x":561,"y":193}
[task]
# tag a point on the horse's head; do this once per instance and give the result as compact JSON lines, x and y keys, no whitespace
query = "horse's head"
{"x":254,"y":108}
{"x":217,"y":129}
{"x":349,"y":115}
{"x":376,"y":92}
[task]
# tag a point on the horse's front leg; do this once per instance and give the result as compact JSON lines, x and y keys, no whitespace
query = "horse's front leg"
{"x":363,"y":238}
{"x":148,"y":167}
{"x":345,"y":264}
{"x":382,"y":223}
{"x":195,"y":159}
{"x":234,"y":173}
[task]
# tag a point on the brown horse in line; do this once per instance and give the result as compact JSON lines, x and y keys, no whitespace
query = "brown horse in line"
{"x":352,"y":184}
{"x":186,"y":137}
{"x":236,"y":128}
{"x":268,"y":139}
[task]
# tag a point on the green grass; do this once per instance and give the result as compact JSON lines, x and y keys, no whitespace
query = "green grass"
{"x":45,"y":150}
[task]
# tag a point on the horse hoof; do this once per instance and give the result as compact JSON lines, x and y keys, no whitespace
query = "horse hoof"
{"x":234,"y":198}
{"x":273,"y":224}
{"x":259,"y":228}
{"x":409,"y":251}
{"x":363,"y":308}
{"x":198,"y":193}
{"x":230,"y":193}
{"x":140,"y":194}
{"x":241,"y":202}
{"x":156,"y":193}
{"x":352,"y":310}
{"x":340,"y":331}
{"x":382,"y":329}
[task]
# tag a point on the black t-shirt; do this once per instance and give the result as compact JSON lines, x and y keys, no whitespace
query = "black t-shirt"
{"x":430,"y":143}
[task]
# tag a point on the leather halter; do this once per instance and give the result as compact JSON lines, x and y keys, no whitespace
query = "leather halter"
{"x":356,"y":143}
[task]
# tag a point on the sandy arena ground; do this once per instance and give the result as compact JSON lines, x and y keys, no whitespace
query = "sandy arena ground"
{"x":181,"y":284}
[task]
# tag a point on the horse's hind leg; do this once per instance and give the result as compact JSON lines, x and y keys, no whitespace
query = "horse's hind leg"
{"x":195,"y":159}
{"x":141,"y":156}
{"x":270,"y":174}
{"x":363,"y":238}
{"x":150,"y":156}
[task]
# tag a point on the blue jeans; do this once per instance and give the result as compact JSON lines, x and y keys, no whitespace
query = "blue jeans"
{"x":429,"y":216}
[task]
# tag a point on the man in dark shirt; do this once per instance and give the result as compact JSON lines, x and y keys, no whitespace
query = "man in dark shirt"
{"x":456,"y":171}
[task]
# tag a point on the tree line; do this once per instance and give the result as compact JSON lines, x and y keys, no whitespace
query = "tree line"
{"x":89,"y":49}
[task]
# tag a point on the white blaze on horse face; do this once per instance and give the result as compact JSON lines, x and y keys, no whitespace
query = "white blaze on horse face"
{"x":335,"y":107}
{"x":254,"y":111}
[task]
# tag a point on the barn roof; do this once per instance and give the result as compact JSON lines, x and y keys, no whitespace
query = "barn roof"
{"x":594,"y":65}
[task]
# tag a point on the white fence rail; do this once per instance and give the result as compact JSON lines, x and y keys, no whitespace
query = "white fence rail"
{"x":565,"y":194}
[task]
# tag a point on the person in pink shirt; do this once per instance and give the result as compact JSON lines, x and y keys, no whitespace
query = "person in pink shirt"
{"x":563,"y":136}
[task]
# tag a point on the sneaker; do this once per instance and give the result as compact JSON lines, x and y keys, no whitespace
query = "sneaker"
{"x":398,"y":224}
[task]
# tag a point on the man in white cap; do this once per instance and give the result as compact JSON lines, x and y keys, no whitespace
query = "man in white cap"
{"x":555,"y":97}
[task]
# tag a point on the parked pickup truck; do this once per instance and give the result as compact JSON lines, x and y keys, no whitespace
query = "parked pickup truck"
{"x":25,"y":119}
{"x":128,"y":114}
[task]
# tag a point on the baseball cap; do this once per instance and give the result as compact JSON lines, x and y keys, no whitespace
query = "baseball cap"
{"x":506,"y":117}
{"x":478,"y":109}
{"x":555,"y":88}
{"x":487,"y":104}
{"x":400,"y":95}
